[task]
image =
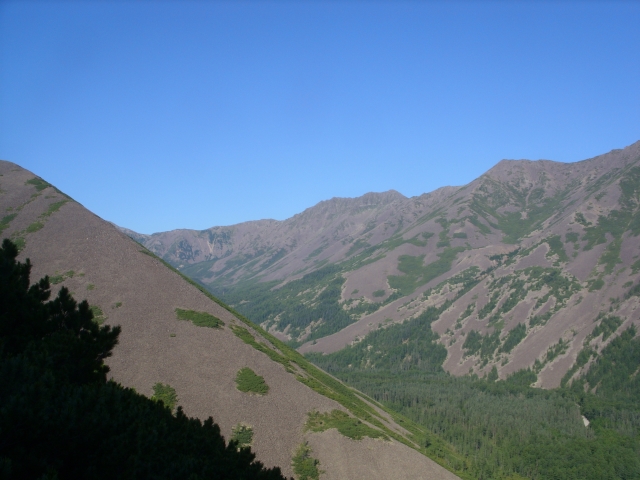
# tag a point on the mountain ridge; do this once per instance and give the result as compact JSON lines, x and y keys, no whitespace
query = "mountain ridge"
{"x":127,"y":285}
{"x":549,"y":216}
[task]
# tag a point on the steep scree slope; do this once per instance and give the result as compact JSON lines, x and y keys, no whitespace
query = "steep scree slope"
{"x":129,"y":286}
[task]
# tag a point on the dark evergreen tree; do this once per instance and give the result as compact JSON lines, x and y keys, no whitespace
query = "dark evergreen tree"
{"x":61,"y":418}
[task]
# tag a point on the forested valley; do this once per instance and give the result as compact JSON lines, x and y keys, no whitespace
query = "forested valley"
{"x":505,"y":428}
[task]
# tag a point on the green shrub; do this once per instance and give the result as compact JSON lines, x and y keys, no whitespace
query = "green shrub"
{"x":165,"y":394}
{"x":4,"y":223}
{"x":98,"y":314}
{"x":571,"y":237}
{"x":54,"y":207}
{"x":378,"y":293}
{"x":347,"y":425}
{"x":304,"y":465}
{"x":514,"y":337}
{"x":34,"y":227}
{"x":242,"y":435}
{"x":38,"y":183}
{"x":56,"y":279}
{"x":199,"y":319}
{"x":249,"y":382}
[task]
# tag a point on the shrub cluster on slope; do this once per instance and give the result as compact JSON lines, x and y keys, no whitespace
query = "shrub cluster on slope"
{"x":61,"y":418}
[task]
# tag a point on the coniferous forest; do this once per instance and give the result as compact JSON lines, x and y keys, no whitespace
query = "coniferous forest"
{"x":61,"y":418}
{"x":505,"y":428}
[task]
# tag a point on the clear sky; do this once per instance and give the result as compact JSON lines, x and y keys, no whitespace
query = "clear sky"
{"x":163,"y":115}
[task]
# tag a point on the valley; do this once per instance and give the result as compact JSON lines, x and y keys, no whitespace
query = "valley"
{"x":465,"y":333}
{"x":484,"y":313}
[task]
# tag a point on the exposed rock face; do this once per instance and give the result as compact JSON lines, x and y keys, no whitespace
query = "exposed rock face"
{"x":547,"y":245}
{"x":136,"y":290}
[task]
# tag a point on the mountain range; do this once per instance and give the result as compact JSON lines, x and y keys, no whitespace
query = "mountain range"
{"x":527,"y":266}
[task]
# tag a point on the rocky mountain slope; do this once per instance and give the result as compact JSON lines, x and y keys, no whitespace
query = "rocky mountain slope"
{"x":527,"y":266}
{"x":303,"y":409}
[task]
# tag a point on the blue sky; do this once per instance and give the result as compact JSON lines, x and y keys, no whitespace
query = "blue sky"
{"x":193,"y":114}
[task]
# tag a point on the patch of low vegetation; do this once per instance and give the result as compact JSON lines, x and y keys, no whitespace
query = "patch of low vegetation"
{"x":304,"y":465}
{"x":514,"y":337}
{"x":199,"y":319}
{"x":357,"y":245}
{"x":34,"y":227}
{"x":417,"y":274}
{"x":246,"y":336}
{"x":572,"y":237}
{"x":6,"y":221}
{"x":556,"y":247}
{"x":166,"y":394}
{"x":379,"y":293}
{"x":53,"y":208}
{"x":347,"y":425}
{"x":248,"y":381}
{"x":98,"y":315}
{"x":59,"y":278}
{"x":595,"y":284}
{"x":607,"y":326}
{"x":37,"y":182}
{"x":242,"y":434}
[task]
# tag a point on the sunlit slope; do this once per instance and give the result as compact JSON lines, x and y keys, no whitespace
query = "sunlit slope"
{"x":526,"y":265}
{"x":129,"y":286}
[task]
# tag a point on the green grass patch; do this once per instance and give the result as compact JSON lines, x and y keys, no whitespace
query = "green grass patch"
{"x":165,"y":394}
{"x":378,"y":293}
{"x":98,"y":315}
{"x":304,"y":465}
{"x":20,"y":242}
{"x":34,"y":227}
{"x":248,"y":381}
{"x":347,"y":425}
{"x":55,"y":279}
{"x":91,"y":286}
{"x":6,"y":220}
{"x":38,"y":183}
{"x":199,"y":319}
{"x":242,"y":435}
{"x":53,"y":208}
{"x":459,"y":235}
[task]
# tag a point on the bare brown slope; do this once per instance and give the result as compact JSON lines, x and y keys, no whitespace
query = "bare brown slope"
{"x":583,"y":195}
{"x":560,"y":216}
{"x":135,"y":290}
